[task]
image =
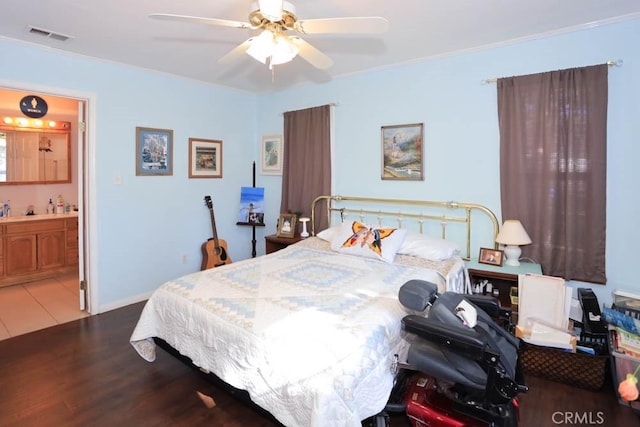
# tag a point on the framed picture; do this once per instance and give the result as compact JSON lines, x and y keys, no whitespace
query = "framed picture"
{"x":402,"y":152}
{"x":154,"y":151}
{"x":286,"y":225}
{"x":256,"y":218}
{"x":251,"y":205}
{"x":271,"y":152}
{"x":205,"y":158}
{"x":491,"y":256}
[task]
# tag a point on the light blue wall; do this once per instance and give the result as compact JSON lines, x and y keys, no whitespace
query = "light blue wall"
{"x":461,"y":126}
{"x":146,"y":224}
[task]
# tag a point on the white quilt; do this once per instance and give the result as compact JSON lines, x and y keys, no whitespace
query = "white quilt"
{"x":309,"y":333}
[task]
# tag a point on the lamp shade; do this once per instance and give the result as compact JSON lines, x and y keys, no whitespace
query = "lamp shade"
{"x":513,"y":233}
{"x":276,"y":47}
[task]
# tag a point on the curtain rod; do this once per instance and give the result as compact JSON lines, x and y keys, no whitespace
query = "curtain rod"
{"x":616,"y":63}
{"x":330,"y":104}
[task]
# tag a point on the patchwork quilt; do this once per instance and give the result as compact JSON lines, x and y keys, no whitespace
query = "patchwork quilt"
{"x":308,"y":332}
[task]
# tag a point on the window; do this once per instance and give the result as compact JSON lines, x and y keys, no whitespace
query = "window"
{"x":553,"y":167}
{"x":306,"y":170}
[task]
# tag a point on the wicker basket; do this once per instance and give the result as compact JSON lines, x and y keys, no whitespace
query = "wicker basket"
{"x":576,"y":369}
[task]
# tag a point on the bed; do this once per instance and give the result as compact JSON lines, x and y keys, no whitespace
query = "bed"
{"x":310,"y":331}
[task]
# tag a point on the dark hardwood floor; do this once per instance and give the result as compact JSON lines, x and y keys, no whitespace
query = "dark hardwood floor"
{"x":86,"y":373}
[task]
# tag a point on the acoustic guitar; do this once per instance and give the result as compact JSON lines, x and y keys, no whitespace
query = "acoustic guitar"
{"x":214,"y":250}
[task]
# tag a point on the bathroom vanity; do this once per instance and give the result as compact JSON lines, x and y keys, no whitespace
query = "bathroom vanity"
{"x":37,"y":247}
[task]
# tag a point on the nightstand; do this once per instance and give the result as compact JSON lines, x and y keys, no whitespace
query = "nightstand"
{"x":502,"y":278}
{"x":274,"y":243}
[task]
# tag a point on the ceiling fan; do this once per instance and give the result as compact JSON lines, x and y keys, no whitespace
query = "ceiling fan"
{"x":277,"y":17}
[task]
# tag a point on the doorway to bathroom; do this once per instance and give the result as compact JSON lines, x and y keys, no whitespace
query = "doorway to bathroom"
{"x":38,"y":304}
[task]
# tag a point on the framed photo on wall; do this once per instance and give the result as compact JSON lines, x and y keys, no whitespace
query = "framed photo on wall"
{"x":402,"y":152}
{"x":287,"y":225}
{"x":205,"y":158}
{"x":154,"y":151}
{"x":271,"y":153}
{"x":491,"y":256}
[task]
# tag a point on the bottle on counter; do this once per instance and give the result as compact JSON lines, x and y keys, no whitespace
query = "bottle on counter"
{"x":59,"y":204}
{"x":6,"y":209}
{"x":50,"y":208}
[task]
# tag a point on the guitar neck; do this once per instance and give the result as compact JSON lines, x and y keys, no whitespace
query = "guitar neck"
{"x":213,"y":228}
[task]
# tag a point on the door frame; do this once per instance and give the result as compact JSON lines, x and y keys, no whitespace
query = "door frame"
{"x":87,"y":215}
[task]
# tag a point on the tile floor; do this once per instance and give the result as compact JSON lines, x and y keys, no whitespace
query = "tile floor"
{"x":38,"y":305}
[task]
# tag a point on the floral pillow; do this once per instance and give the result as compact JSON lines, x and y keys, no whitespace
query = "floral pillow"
{"x":355,"y":238}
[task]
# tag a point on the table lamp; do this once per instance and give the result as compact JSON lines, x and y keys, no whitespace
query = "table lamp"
{"x":513,"y":235}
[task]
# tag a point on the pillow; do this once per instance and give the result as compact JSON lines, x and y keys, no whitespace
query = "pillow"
{"x":328,"y":233}
{"x":355,"y":238}
{"x":427,"y":247}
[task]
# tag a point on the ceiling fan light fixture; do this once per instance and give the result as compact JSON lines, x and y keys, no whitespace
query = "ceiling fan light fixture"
{"x":271,"y":9}
{"x":261,"y":46}
{"x":276,"y":18}
{"x":275,"y":47}
{"x":283,"y":51}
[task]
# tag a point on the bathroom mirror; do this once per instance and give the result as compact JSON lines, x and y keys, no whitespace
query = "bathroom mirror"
{"x":35,"y":156}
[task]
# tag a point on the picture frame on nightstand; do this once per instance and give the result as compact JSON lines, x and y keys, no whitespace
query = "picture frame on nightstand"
{"x":286,"y":225}
{"x":491,"y":256}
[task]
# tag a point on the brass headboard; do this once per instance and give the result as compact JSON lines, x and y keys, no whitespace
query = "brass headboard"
{"x":425,"y":213}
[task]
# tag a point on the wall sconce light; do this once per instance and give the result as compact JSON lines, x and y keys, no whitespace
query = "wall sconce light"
{"x":26,"y":123}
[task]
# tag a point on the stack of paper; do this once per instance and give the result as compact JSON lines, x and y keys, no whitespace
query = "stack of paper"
{"x":544,"y":298}
{"x":540,"y":333}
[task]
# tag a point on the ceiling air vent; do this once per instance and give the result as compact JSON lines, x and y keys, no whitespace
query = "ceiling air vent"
{"x":49,"y":34}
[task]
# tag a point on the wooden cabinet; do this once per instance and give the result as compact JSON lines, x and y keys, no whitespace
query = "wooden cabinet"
{"x":1,"y":251}
{"x":71,"y":225}
{"x":274,"y":243}
{"x":21,"y":254}
{"x":51,"y":249}
{"x":37,"y":249}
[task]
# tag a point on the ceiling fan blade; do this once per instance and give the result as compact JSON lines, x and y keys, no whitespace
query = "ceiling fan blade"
{"x":235,"y":53}
{"x":312,"y":55}
{"x":271,"y":9}
{"x":200,"y":20}
{"x":354,"y":25}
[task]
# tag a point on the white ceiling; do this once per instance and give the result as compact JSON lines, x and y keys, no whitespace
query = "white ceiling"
{"x":120,"y":31}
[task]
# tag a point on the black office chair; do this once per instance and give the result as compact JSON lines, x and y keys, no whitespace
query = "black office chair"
{"x":476,"y":370}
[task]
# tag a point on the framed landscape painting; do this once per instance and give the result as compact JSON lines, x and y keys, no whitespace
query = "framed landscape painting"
{"x":205,"y":158}
{"x":271,"y":152}
{"x":154,"y":151}
{"x":402,"y":151}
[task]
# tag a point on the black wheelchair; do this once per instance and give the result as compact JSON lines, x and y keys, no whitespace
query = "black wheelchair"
{"x":459,"y":371}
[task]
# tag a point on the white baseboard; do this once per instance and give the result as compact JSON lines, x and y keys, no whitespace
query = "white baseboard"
{"x":123,"y":303}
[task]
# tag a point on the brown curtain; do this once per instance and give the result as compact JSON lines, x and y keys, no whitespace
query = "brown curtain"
{"x":553,"y":157}
{"x":306,"y":172}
